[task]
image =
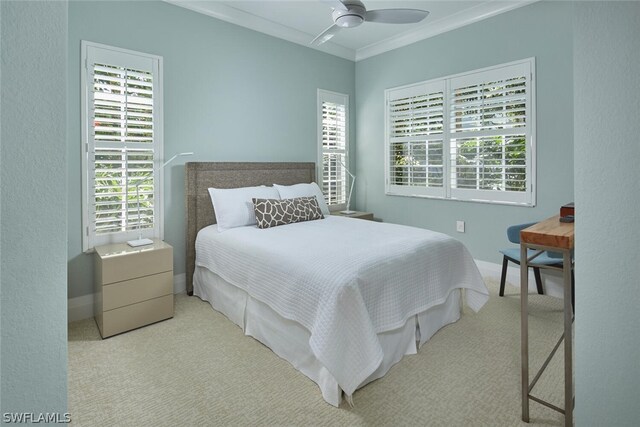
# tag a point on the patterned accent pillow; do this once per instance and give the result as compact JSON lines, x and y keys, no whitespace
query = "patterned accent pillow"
{"x":274,"y":212}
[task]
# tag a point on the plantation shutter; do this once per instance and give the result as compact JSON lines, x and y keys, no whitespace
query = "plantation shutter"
{"x":490,"y":130}
{"x":122,"y":145}
{"x":415,"y":146}
{"x":334,"y":147}
{"x":470,"y":136}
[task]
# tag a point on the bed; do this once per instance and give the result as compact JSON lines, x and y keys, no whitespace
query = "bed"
{"x":341,"y":299}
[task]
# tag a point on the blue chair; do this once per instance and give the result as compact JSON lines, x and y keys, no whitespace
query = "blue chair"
{"x":513,"y":255}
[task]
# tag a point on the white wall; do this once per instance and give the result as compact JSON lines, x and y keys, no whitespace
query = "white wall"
{"x":607,"y":195}
{"x":33,"y":208}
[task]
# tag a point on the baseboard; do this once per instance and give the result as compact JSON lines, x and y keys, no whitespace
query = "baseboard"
{"x":552,"y":282}
{"x":80,"y":308}
{"x":180,"y":283}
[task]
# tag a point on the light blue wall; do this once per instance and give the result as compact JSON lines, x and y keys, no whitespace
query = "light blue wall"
{"x":542,"y":30}
{"x":0,"y":206}
{"x":33,"y":209}
{"x":607,"y":150}
{"x":230,"y":94}
{"x":606,"y":60}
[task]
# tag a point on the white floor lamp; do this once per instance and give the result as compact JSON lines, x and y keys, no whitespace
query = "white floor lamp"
{"x":140,"y":241}
{"x":353,"y":181}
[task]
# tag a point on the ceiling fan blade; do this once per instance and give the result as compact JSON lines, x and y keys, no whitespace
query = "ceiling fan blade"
{"x":396,"y":16}
{"x":326,"y":35}
{"x":335,"y":4}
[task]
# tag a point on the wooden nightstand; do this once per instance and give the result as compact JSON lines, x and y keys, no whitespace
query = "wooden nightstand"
{"x":357,"y":214}
{"x":133,"y":286}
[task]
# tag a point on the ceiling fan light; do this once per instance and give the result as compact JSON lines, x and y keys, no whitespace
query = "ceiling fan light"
{"x":349,"y":21}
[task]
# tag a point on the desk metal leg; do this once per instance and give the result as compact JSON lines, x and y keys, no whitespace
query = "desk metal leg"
{"x":524,"y":330}
{"x":568,"y":359}
{"x":549,"y":235}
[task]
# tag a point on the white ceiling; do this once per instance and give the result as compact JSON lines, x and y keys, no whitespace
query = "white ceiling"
{"x":300,"y":21}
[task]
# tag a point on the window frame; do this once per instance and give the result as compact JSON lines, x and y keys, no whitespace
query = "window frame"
{"x":89,"y":238}
{"x":526,"y":198}
{"x":336,"y":98}
{"x":410,"y":190}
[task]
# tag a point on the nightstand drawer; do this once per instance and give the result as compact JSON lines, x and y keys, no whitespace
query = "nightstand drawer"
{"x":134,"y":286}
{"x":135,"y":315}
{"x":132,"y":291}
{"x":118,"y":268}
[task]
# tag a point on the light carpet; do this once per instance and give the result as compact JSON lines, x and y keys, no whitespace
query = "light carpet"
{"x":200,"y":369}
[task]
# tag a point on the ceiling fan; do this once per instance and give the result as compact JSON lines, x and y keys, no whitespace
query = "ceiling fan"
{"x":351,"y":13}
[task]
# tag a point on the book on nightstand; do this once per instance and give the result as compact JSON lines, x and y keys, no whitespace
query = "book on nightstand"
{"x":567,"y":209}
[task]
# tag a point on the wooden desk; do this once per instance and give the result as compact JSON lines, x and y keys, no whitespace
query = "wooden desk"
{"x":548,"y":235}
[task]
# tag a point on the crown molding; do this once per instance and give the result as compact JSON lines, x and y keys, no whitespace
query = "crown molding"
{"x":256,"y":23}
{"x":463,"y":18}
{"x":484,"y":10}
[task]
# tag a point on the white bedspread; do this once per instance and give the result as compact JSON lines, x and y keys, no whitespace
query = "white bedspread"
{"x":344,"y":280}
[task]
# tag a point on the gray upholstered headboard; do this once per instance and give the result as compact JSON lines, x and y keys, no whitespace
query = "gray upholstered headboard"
{"x":200,"y":176}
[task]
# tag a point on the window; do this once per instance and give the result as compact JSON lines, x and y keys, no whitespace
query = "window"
{"x":333,"y":147}
{"x":465,"y":137}
{"x":122,"y":144}
{"x":415,"y":140}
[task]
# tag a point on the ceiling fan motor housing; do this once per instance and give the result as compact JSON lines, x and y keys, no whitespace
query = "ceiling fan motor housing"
{"x":352,"y":17}
{"x":352,"y":13}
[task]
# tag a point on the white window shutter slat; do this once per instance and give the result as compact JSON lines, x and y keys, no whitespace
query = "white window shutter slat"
{"x":415,"y":135}
{"x":333,"y":146}
{"x":489,"y":125}
{"x":470,"y":135}
{"x":123,"y":147}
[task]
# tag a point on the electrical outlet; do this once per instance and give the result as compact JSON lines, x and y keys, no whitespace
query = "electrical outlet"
{"x":460,"y":226}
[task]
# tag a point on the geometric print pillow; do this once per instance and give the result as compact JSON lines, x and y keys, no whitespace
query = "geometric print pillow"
{"x":274,"y":212}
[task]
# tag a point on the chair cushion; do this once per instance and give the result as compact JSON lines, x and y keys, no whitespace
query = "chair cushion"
{"x":544,"y":258}
{"x":513,"y":232}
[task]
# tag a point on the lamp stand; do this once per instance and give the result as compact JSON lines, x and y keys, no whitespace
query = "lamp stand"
{"x":140,"y":241}
{"x":353,"y":181}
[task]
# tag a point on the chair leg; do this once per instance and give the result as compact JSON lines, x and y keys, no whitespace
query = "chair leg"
{"x":573,"y":292}
{"x":503,"y":278}
{"x":536,"y":273}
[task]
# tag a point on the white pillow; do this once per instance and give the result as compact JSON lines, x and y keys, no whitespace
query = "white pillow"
{"x":234,"y":207}
{"x":303,"y":190}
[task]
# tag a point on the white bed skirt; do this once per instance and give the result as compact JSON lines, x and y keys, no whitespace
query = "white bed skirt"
{"x":290,"y":340}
